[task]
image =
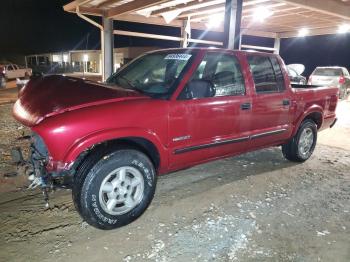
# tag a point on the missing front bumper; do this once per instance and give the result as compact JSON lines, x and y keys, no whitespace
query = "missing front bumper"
{"x":35,"y":166}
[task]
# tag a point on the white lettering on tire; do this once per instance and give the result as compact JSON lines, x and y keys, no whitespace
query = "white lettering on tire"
{"x":99,"y":214}
{"x":145,"y":170}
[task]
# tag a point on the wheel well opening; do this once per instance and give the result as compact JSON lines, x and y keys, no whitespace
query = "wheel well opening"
{"x":316,"y":117}
{"x":144,"y":145}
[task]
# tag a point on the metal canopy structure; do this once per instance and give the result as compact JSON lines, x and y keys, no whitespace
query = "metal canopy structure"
{"x":265,"y":18}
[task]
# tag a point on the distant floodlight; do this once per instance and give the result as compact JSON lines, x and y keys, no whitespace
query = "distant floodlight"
{"x":215,"y":20}
{"x":86,"y":57}
{"x":65,"y":58}
{"x":56,"y":58}
{"x":303,"y":32}
{"x":261,"y":13}
{"x":343,"y":29}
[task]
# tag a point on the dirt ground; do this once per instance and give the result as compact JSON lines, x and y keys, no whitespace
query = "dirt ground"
{"x":9,"y":93}
{"x":255,"y":207}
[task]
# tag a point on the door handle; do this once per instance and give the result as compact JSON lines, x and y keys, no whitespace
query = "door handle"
{"x":246,"y":106}
{"x":286,"y":102}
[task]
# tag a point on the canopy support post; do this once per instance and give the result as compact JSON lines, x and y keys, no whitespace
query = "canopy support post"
{"x":232,"y":24}
{"x":107,"y":45}
{"x":277,"y":45}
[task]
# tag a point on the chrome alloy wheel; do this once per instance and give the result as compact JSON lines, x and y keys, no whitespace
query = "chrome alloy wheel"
{"x":306,"y":141}
{"x":121,"y":190}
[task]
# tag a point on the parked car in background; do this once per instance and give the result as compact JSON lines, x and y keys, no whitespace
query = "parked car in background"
{"x":165,"y":111}
{"x":13,"y":71}
{"x":2,"y":80}
{"x":332,"y":76}
{"x":294,"y":73}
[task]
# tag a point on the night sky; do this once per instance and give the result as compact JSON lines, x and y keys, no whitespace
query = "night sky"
{"x":38,"y":26}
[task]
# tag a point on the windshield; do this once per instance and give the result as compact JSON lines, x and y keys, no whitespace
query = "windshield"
{"x":153,"y":74}
{"x":328,"y":72}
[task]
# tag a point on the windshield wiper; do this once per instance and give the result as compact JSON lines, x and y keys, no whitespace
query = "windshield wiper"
{"x":128,"y":82}
{"x":133,"y":87}
{"x":141,"y":91}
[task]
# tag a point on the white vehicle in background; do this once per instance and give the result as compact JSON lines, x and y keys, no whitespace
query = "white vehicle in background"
{"x":332,"y":76}
{"x":13,"y":71}
{"x":294,"y":73}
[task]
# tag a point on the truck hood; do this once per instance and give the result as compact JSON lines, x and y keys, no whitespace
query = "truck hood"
{"x":52,"y":95}
{"x":299,"y":68}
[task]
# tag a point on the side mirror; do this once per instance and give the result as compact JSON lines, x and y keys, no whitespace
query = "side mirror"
{"x":199,"y":88}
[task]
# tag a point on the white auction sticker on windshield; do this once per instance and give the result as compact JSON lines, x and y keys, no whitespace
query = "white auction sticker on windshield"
{"x":178,"y":57}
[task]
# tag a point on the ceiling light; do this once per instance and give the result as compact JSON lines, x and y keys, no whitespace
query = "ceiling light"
{"x":215,"y":20}
{"x":261,"y":13}
{"x":303,"y":32}
{"x":343,"y":29}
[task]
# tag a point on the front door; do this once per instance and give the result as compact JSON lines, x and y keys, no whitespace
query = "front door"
{"x":208,"y":119}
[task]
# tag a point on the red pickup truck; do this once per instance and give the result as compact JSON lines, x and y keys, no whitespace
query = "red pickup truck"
{"x":166,"y":110}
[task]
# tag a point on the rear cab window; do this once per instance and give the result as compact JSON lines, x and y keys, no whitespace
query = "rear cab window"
{"x":328,"y":72}
{"x":267,"y":74}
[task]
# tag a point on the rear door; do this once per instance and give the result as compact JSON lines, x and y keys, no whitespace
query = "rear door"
{"x":211,"y":126}
{"x":271,"y":105}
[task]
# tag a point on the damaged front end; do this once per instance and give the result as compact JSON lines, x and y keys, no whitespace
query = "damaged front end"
{"x":35,"y":165}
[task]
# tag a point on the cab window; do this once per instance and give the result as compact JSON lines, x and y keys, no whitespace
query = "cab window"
{"x":267,"y":74}
{"x":217,"y":75}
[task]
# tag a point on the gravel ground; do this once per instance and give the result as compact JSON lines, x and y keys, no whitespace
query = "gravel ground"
{"x":255,"y":207}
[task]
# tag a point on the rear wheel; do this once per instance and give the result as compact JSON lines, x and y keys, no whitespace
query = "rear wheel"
{"x":302,"y":145}
{"x":116,"y":190}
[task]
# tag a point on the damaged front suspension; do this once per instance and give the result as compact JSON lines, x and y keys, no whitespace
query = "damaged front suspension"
{"x":35,"y":169}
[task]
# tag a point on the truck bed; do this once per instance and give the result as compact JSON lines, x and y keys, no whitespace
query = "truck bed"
{"x":304,"y":86}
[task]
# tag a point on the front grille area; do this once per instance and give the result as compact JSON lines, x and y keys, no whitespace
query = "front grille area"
{"x":38,"y":148}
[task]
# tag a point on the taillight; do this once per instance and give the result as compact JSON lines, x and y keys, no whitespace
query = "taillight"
{"x":342,"y":80}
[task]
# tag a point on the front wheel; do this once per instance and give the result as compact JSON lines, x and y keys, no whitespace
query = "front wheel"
{"x":302,"y":145}
{"x":116,"y":190}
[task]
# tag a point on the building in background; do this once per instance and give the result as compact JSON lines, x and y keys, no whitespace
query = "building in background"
{"x":86,"y":61}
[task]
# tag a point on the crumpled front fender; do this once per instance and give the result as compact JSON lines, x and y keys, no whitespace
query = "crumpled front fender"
{"x":113,"y":134}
